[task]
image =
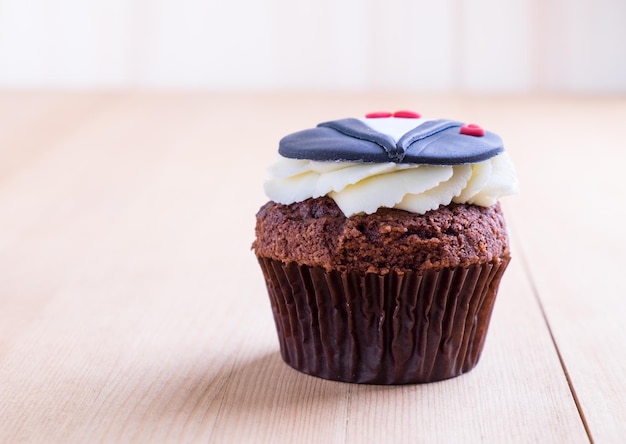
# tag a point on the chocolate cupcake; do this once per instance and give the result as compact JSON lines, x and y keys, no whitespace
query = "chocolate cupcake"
{"x":383,"y":246}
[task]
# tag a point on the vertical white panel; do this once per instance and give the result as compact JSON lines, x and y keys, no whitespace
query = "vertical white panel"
{"x":584,"y":48}
{"x":496,"y":43}
{"x":214,"y":44}
{"x":68,"y":43}
{"x":350,"y":44}
{"x":411,"y":45}
{"x":347,"y":44}
{"x":310,"y":53}
{"x":434,"y":35}
{"x":390,"y":42}
{"x":22,"y":41}
{"x":86,"y":43}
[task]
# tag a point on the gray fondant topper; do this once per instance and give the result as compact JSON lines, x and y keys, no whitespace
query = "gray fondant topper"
{"x":435,"y":142}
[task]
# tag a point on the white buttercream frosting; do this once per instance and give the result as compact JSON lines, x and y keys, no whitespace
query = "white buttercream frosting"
{"x":361,"y":187}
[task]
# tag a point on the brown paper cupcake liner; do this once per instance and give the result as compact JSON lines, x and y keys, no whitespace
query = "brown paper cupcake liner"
{"x":382,"y":329}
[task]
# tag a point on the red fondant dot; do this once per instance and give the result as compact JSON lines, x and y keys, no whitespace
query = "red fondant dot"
{"x":472,"y":130}
{"x":378,"y":115}
{"x":407,"y":114}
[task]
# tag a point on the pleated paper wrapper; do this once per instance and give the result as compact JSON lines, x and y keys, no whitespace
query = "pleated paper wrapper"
{"x":397,"y":328}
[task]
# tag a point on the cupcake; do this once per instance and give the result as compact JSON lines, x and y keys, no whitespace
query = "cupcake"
{"x":383,"y":246}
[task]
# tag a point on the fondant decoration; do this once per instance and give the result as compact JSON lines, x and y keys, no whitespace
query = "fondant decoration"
{"x":407,"y":114}
{"x":378,"y":115}
{"x":472,"y":130}
{"x":430,"y":142}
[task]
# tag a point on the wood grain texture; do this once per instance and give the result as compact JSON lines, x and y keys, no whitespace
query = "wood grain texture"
{"x":132,"y":309}
{"x":575,"y":250}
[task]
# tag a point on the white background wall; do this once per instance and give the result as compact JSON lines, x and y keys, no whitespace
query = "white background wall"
{"x":418,"y":45}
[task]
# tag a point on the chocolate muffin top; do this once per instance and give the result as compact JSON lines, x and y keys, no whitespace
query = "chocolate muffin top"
{"x":315,"y":232}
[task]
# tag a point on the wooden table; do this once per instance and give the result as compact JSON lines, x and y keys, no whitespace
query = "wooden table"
{"x":132,"y":309}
